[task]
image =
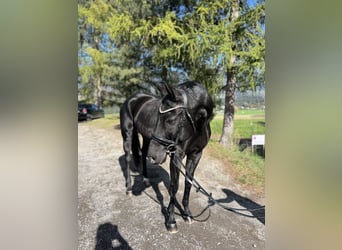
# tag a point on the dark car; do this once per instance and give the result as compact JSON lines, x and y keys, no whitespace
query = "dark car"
{"x":87,"y":111}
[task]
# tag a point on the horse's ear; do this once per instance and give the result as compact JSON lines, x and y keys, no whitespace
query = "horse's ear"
{"x":170,"y":91}
{"x":161,"y":88}
{"x":201,"y":114}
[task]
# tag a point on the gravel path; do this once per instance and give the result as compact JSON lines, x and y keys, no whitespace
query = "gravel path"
{"x":108,"y":219}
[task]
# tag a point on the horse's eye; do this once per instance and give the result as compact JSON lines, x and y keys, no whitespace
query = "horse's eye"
{"x":168,"y":103}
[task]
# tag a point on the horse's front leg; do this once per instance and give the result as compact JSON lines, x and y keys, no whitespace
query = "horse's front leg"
{"x":171,"y":224}
{"x":191,"y":164}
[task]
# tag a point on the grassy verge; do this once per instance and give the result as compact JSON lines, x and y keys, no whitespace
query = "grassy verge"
{"x":108,"y":122}
{"x":246,"y":168}
{"x":250,"y":112}
{"x":243,"y":127}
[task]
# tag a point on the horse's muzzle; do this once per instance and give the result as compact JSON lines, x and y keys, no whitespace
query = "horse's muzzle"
{"x":157,"y":159}
{"x":157,"y":152}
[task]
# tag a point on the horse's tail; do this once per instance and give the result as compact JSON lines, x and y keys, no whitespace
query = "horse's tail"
{"x":136,"y":148}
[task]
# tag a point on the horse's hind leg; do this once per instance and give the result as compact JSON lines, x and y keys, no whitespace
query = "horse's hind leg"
{"x":127,"y":172}
{"x":144,"y":151}
{"x":127,"y":135}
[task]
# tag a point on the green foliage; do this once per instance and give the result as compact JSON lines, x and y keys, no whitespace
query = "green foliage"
{"x":107,"y":72}
{"x":120,"y":27}
{"x":194,"y":38}
{"x":123,"y":77}
{"x":95,"y":14}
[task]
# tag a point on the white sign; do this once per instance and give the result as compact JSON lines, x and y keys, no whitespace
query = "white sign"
{"x":258,"y":140}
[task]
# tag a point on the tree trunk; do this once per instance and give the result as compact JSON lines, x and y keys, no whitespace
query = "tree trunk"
{"x":229,"y":110}
{"x":164,"y":74}
{"x":98,"y":92}
{"x":229,"y":103}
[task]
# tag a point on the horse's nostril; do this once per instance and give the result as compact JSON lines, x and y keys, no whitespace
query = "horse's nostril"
{"x":151,"y":159}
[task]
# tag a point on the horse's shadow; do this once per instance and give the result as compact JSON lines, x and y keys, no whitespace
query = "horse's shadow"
{"x":257,"y":210}
{"x":156,"y":174}
{"x":109,"y":238}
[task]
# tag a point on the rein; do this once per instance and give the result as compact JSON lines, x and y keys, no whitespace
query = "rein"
{"x":211,"y":200}
{"x":170,"y":145}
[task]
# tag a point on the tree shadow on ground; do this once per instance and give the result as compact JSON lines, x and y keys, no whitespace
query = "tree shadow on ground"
{"x":256,"y":210}
{"x":109,"y":238}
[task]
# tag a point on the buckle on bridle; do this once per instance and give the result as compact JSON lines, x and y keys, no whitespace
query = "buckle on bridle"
{"x":168,"y":144}
{"x":171,"y":149}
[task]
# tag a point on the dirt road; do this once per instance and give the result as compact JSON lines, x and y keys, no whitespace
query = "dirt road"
{"x":108,"y":219}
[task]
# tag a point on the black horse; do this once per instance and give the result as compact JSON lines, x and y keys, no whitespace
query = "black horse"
{"x":177,"y":124}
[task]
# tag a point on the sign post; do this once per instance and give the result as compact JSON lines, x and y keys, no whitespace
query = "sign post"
{"x":258,"y":140}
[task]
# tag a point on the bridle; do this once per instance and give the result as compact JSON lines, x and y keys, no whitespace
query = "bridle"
{"x":170,"y":145}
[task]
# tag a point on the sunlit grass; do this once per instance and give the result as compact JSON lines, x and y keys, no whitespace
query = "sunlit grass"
{"x":108,"y":122}
{"x":243,"y":128}
{"x":246,"y":168}
{"x":250,"y":112}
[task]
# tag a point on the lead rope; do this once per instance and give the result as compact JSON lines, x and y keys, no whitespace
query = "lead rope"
{"x":211,"y":200}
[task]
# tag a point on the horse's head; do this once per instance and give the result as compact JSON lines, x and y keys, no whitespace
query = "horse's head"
{"x":169,"y":125}
{"x":184,"y":114}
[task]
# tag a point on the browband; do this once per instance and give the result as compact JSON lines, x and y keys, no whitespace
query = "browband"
{"x":185,"y":104}
{"x":185,"y":100}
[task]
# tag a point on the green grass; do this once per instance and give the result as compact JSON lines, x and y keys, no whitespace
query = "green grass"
{"x":243,"y":128}
{"x":250,"y":112}
{"x":108,"y":122}
{"x":246,"y":168}
{"x":247,"y":128}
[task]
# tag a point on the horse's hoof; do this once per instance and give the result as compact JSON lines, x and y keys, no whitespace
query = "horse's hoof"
{"x":172,"y":228}
{"x":129,"y":193}
{"x":188,"y":219}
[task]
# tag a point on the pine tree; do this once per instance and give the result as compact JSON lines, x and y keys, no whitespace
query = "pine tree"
{"x":93,"y":53}
{"x":244,"y":57}
{"x":151,"y":41}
